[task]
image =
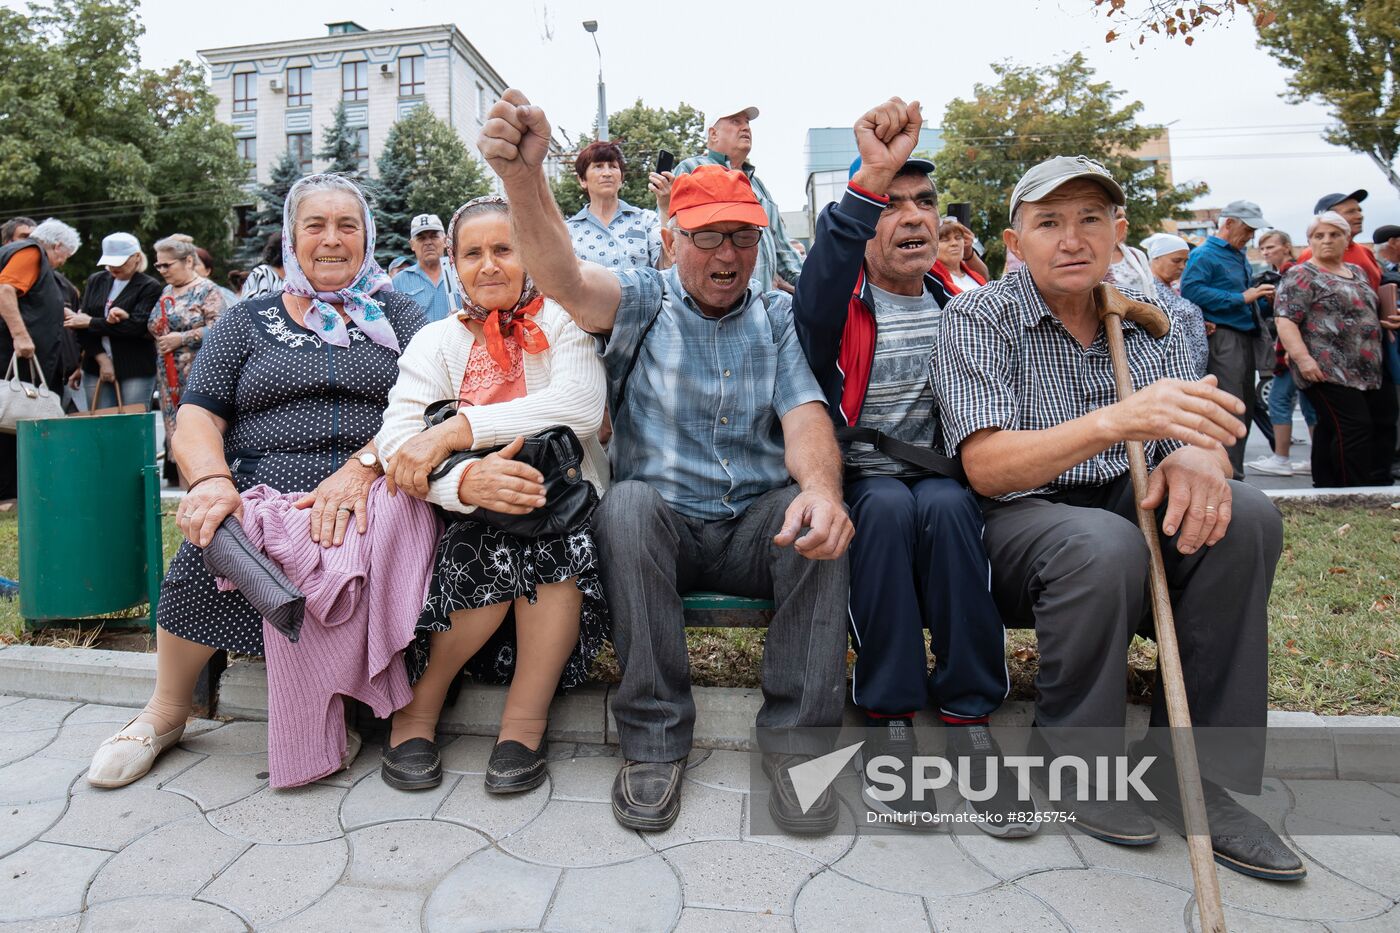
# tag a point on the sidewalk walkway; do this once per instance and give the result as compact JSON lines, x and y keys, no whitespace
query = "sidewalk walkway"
{"x":202,"y":844}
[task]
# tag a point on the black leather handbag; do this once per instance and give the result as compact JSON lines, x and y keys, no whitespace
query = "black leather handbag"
{"x":557,"y":453}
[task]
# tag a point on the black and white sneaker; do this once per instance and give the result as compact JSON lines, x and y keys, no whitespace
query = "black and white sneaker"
{"x":895,"y":738}
{"x":1004,"y":814}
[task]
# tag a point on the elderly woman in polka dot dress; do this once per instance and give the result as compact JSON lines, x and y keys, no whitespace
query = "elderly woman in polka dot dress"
{"x":288,"y":390}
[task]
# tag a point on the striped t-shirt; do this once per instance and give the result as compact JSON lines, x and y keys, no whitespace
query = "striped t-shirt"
{"x":899,"y":400}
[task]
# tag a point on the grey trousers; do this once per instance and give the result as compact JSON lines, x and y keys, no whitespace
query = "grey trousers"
{"x":1077,"y":572}
{"x":1233,"y":363}
{"x":651,"y":554}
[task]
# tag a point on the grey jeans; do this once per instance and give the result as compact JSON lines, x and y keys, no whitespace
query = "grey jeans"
{"x":1077,"y":572}
{"x":651,"y":554}
{"x":1233,"y":363}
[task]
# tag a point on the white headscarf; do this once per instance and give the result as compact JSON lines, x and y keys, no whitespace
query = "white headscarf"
{"x":1162,"y":244}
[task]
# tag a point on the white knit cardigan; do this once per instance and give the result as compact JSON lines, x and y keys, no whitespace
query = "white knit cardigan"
{"x":564,"y":385}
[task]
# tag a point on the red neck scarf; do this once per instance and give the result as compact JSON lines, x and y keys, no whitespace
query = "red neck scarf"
{"x":518,"y":326}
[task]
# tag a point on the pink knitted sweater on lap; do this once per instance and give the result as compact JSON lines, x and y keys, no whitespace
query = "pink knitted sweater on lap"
{"x":363,"y":600}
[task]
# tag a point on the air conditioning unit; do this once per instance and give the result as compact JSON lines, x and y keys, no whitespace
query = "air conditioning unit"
{"x":385,"y":70}
{"x":276,"y":86}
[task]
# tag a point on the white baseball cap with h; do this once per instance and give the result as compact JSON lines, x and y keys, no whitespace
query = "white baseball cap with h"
{"x":423,"y":223}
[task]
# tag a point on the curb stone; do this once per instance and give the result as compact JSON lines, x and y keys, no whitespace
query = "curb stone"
{"x":1302,"y":745}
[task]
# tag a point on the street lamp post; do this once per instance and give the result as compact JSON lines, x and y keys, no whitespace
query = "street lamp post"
{"x":591,"y":25}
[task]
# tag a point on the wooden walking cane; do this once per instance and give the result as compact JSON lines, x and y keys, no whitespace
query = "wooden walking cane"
{"x":1113,"y":306}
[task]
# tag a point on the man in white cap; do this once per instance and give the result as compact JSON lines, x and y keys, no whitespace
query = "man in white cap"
{"x":423,"y":281}
{"x":1217,"y":280}
{"x":730,"y":138}
{"x":1027,"y":398}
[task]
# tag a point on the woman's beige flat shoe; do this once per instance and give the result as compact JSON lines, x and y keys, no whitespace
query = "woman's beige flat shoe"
{"x":129,"y":754}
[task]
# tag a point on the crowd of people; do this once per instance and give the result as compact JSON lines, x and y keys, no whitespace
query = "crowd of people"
{"x":543,"y":432}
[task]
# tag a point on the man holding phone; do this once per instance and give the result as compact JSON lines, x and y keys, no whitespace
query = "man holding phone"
{"x":729,"y":135}
{"x":1217,"y":279}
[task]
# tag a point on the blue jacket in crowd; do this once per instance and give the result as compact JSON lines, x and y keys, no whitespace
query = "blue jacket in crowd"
{"x":1216,"y":277}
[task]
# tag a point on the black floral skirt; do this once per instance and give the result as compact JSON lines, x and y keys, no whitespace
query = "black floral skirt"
{"x":479,"y":565}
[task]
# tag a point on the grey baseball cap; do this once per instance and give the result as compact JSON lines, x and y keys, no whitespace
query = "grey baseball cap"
{"x":1040,"y":181}
{"x":1247,"y":213}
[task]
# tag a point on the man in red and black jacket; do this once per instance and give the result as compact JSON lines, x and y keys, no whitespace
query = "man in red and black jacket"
{"x":867,"y":313}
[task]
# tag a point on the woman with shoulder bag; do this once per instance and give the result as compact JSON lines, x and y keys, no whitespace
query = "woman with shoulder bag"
{"x":110,"y":325}
{"x":516,"y":365}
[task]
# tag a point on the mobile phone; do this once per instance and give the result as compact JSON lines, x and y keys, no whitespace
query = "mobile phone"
{"x":665,"y":161}
{"x":961,"y":211}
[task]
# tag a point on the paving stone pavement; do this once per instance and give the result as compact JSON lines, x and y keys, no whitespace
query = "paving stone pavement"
{"x":202,"y":843}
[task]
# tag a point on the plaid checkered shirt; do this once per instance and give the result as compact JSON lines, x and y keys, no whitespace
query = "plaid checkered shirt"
{"x":1003,"y":360}
{"x":700,"y":420}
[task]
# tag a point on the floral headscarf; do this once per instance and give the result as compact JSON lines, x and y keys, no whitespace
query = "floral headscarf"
{"x":497,"y":325}
{"x":323,"y":319}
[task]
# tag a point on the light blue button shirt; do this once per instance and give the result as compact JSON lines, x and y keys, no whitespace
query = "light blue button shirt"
{"x":433,"y":299}
{"x":631,"y":240}
{"x":700,"y":420}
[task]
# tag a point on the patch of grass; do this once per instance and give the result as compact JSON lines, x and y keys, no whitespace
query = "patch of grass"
{"x":90,"y":634}
{"x":1334,"y":632}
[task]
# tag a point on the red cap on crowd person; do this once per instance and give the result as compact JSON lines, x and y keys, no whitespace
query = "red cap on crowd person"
{"x":714,"y":194}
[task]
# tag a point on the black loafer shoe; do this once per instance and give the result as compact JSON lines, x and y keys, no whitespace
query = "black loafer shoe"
{"x":1241,"y":840}
{"x":784,"y":807}
{"x":646,"y":795}
{"x":412,"y":765}
{"x":513,"y":768}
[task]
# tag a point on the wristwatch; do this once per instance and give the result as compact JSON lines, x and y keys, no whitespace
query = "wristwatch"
{"x":368,"y":459}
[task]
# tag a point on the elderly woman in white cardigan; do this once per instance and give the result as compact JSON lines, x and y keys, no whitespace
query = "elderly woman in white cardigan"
{"x":517,"y":364}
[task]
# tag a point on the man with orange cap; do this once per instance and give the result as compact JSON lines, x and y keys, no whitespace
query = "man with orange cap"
{"x":715,"y":415}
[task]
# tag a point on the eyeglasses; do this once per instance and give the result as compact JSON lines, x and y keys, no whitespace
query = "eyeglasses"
{"x":162,"y":266}
{"x":711,"y":239}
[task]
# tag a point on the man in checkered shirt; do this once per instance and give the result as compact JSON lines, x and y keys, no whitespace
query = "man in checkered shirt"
{"x":1027,"y":399}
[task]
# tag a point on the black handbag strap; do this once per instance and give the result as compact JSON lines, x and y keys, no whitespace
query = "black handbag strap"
{"x":922,"y":457}
{"x":620,"y":395}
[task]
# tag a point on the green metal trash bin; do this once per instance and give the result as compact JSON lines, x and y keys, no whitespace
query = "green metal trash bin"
{"x":89,"y":517}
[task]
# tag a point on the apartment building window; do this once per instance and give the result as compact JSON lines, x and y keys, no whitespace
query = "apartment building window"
{"x":412,"y":74}
{"x":480,"y":103}
{"x":362,"y":147}
{"x":354,"y":81}
{"x":245,"y":92}
{"x":299,"y":145}
{"x":248,"y":152}
{"x":299,"y":87}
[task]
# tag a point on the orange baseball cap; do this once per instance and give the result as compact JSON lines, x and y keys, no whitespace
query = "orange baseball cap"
{"x":714,"y":194}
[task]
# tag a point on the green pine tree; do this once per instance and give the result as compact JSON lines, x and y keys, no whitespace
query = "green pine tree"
{"x":425,"y":169}
{"x":267,"y":220}
{"x":339,"y":146}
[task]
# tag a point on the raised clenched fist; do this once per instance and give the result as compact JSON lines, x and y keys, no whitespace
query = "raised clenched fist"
{"x":886,"y":136}
{"x":515,"y":138}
